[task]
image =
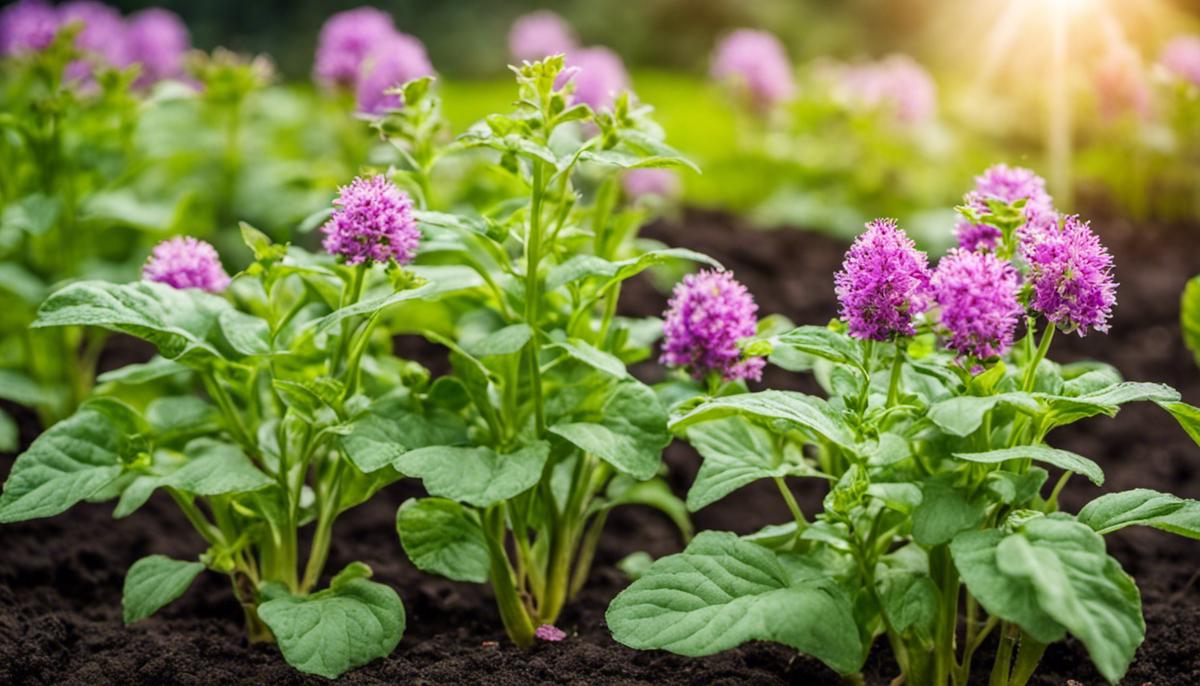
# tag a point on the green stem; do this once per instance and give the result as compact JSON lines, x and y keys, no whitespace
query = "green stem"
{"x":797,"y":513}
{"x":1052,"y":502}
{"x":894,"y":384}
{"x":1003,"y":664}
{"x":1028,"y":657}
{"x":947,"y":628}
{"x":517,"y":623}
{"x":587,"y":552}
{"x":321,"y":538}
{"x":533,"y":256}
{"x":197,"y":519}
{"x":1031,"y":369}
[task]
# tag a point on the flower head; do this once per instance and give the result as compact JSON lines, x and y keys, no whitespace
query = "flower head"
{"x":549,"y":632}
{"x":186,"y":262}
{"x":345,"y":41}
{"x":372,"y":222}
{"x":1006,"y":184}
{"x":157,"y":39}
{"x":1181,"y":57}
{"x":27,"y":26}
{"x":883,"y":283}
{"x":977,"y":294}
{"x":1072,"y":276}
{"x":598,"y":74}
{"x":709,"y":312}
{"x":757,"y":62}
{"x":538,"y":35}
{"x":897,"y":83}
{"x":101,"y":36}
{"x":393,"y":63}
{"x":640,"y":183}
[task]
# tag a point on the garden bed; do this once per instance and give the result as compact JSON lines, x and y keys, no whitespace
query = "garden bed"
{"x":61,"y":578}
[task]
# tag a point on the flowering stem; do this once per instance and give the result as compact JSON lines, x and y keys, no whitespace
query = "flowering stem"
{"x":1031,"y":369}
{"x":894,"y":385}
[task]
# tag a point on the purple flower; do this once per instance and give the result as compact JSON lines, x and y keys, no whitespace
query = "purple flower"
{"x":709,"y":312}
{"x":757,"y":62}
{"x":884,"y":282}
{"x":640,"y":183}
{"x":157,"y":39}
{"x":393,"y":63}
{"x":1072,"y":276}
{"x":102,"y":35}
{"x":373,"y":222}
{"x":1181,"y":57}
{"x":897,"y":83}
{"x":538,"y":35}
{"x":346,"y":40}
{"x":1121,"y":84}
{"x":549,"y":632}
{"x":977,"y":294}
{"x":1006,"y":184}
{"x":27,"y":26}
{"x":185,"y":262}
{"x":598,"y":73}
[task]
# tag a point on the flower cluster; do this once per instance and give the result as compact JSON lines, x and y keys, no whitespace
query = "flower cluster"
{"x":709,"y":312}
{"x":756,"y":62}
{"x":154,"y":38}
{"x":883,"y":283}
{"x":372,"y":222}
{"x":361,"y":51}
{"x":598,"y":74}
{"x":1072,"y":277}
{"x":897,"y":83}
{"x":1006,"y":184}
{"x":977,"y":296}
{"x":538,"y":35}
{"x":1181,"y":57}
{"x":186,"y":262}
{"x":641,"y":183}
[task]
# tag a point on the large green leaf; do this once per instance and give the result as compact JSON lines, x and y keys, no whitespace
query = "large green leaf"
{"x":22,"y":390}
{"x":788,"y":409}
{"x":1055,"y":575}
{"x":395,"y":424}
{"x":962,"y":415}
{"x":736,"y":452}
{"x":1188,"y":417}
{"x":583,"y":266}
{"x":1068,"y":409}
{"x":206,"y":467}
{"x":477,"y":476}
{"x":180,"y":322}
{"x":820,"y":342}
{"x":1062,"y":459}
{"x":943,"y":512}
{"x":1142,"y":507}
{"x":153,"y":582}
{"x":372,"y":304}
{"x":349,"y":624}
{"x":442,"y":537}
{"x":629,"y":432}
{"x":722,"y":592}
{"x":68,"y":463}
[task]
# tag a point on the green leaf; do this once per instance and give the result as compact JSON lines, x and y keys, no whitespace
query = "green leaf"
{"x":584,"y":266}
{"x":962,"y":415}
{"x":246,"y":334}
{"x":143,"y":372}
{"x":395,"y":424}
{"x":1016,"y":489}
{"x":722,"y":592}
{"x":215,"y":468}
{"x":9,"y":433}
{"x":1189,"y":316}
{"x":736,"y":452}
{"x":910,"y":601}
{"x":477,"y":476}
{"x":1142,"y":507}
{"x":371,"y":305}
{"x":788,"y":409}
{"x":349,"y":624}
{"x":507,"y":341}
{"x":68,"y":463}
{"x":1188,"y":417}
{"x":1065,"y":410}
{"x":944,"y":511}
{"x":822,"y":342}
{"x":624,"y":490}
{"x":629,"y":433}
{"x":22,"y":390}
{"x":1062,"y":459}
{"x":593,"y":357}
{"x":177,"y":321}
{"x":442,"y":537}
{"x":154,"y":582}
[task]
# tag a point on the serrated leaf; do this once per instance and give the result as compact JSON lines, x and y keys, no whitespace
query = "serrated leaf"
{"x":68,"y":463}
{"x":1063,"y":459}
{"x":477,"y":476}
{"x":349,"y":624}
{"x":629,"y":433}
{"x":154,"y":582}
{"x":722,"y":592}
{"x":441,"y":537}
{"x":736,"y":452}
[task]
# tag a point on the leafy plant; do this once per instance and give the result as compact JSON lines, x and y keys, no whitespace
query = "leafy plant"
{"x":938,"y":530}
{"x":299,"y":398}
{"x":1189,"y":316}
{"x":558,"y":432}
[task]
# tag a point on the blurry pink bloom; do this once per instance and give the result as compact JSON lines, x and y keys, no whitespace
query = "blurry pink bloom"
{"x":538,"y":35}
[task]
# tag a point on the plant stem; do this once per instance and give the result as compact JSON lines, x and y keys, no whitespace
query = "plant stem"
{"x":947,"y":628}
{"x":797,"y":513}
{"x":1052,"y":502}
{"x":1032,"y":365}
{"x":321,"y":538}
{"x":517,"y":623}
{"x":894,"y":384}
{"x":1000,"y":669}
{"x":587,"y":552}
{"x":533,"y":256}
{"x":1028,"y":656}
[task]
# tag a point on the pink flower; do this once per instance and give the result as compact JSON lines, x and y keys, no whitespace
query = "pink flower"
{"x":598,"y":74}
{"x":345,"y":42}
{"x":27,"y":26}
{"x":1071,"y":273}
{"x":883,"y":283}
{"x":640,"y":183}
{"x":393,"y":63}
{"x":757,"y":62}
{"x":549,"y":632}
{"x":372,"y":222}
{"x":1181,"y":57}
{"x":185,"y":262}
{"x":977,"y":295}
{"x":709,"y":312}
{"x":157,"y":40}
{"x":1006,"y":184}
{"x":538,"y":35}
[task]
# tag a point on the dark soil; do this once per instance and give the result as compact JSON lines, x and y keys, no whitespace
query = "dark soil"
{"x":61,"y":579}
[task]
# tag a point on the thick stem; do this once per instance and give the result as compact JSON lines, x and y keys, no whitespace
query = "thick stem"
{"x":947,"y":629}
{"x":894,"y":384}
{"x":1003,"y":664}
{"x":321,"y":538}
{"x":1031,"y":369}
{"x":517,"y":623}
{"x":587,"y":552}
{"x":1028,"y":657}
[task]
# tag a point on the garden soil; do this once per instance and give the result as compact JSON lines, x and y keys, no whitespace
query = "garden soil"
{"x":61,"y":578}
